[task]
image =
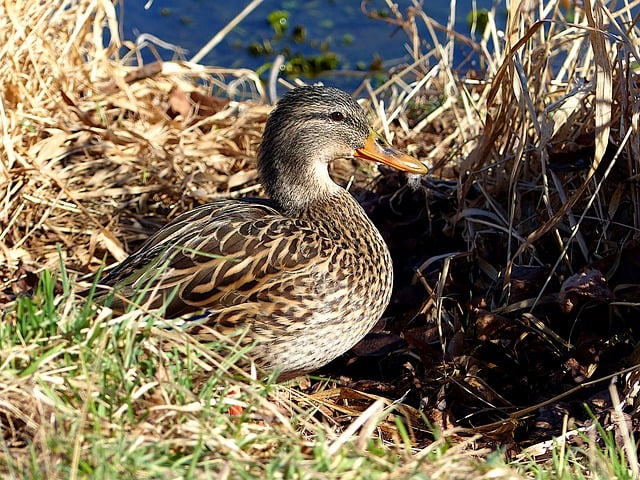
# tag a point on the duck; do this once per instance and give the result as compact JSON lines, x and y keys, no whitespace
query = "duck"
{"x":304,"y":274}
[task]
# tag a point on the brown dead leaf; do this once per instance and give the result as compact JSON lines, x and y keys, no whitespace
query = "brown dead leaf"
{"x":146,"y":71}
{"x":179,"y":103}
{"x":193,"y":104}
{"x":589,"y":285}
{"x":443,"y":419}
{"x":378,"y":344}
{"x":489,"y":324}
{"x":526,"y":281}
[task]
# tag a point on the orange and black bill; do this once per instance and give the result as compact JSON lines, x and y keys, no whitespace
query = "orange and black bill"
{"x":377,"y":150}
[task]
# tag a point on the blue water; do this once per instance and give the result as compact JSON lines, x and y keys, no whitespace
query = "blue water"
{"x":357,"y":39}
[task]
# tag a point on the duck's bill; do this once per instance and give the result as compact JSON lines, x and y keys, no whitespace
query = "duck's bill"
{"x":377,"y":150}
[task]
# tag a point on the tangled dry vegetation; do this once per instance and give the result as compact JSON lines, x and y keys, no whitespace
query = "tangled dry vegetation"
{"x":518,"y":257}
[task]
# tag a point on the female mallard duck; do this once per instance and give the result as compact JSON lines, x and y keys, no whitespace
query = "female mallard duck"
{"x":306,"y":274}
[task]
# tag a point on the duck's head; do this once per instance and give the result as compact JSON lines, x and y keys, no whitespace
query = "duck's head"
{"x":310,"y":127}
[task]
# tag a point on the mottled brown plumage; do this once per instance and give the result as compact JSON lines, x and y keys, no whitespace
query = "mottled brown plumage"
{"x":305,"y":274}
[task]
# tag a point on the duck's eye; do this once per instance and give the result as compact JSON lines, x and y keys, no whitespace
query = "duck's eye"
{"x":337,"y":116}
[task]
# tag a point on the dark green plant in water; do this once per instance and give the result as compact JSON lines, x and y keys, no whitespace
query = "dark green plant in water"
{"x":278,"y":19}
{"x":296,"y":63}
{"x":311,"y":65}
{"x":478,"y":18}
{"x":314,"y":56}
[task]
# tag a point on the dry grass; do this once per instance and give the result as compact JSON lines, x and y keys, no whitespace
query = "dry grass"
{"x":80,"y":143}
{"x":540,"y":143}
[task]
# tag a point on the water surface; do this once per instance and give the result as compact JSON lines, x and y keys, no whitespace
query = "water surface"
{"x":336,"y":26}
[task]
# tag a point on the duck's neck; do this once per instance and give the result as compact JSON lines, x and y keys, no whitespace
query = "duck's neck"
{"x":300,"y":180}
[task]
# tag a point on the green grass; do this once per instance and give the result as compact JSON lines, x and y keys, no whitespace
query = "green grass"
{"x":84,"y":394}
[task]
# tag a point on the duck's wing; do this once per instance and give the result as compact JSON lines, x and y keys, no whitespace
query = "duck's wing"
{"x":216,"y":256}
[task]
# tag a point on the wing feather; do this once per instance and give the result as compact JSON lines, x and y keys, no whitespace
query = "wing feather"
{"x":215,"y":255}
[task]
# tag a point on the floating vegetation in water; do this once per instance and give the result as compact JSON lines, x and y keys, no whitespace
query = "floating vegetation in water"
{"x":478,"y":19}
{"x":304,"y":55}
{"x":278,"y":19}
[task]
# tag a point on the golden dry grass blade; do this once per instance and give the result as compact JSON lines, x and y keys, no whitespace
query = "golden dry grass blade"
{"x":82,"y":136}
{"x":603,"y":79}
